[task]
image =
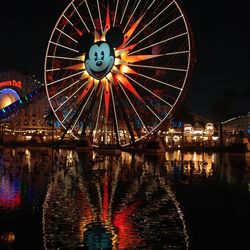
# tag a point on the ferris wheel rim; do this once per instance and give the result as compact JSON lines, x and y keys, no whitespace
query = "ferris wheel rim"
{"x":184,"y":83}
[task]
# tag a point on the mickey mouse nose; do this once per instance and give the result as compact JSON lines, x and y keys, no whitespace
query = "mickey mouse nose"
{"x":99,"y":63}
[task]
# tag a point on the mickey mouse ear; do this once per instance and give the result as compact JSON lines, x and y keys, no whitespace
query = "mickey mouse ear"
{"x":85,"y":42}
{"x":114,"y":37}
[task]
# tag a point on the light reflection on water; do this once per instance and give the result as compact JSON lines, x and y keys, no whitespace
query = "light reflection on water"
{"x":223,"y":167}
{"x":112,"y":203}
{"x":109,"y":202}
{"x":22,"y":177}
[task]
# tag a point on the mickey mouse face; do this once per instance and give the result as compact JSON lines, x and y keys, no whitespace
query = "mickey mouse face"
{"x":100,"y":56}
{"x":100,"y":60}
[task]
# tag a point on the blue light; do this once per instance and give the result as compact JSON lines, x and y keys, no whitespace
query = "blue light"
{"x":176,"y":124}
{"x":9,"y":91}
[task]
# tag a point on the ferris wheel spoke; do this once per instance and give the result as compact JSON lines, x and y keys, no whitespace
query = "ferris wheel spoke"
{"x":65,"y":78}
{"x":154,"y":113}
{"x":60,"y":92}
{"x":66,"y":116}
{"x":65,"y":47}
{"x":65,"y":58}
{"x":148,"y":90}
{"x":55,"y":69}
{"x":124,"y":11}
{"x":150,"y":5}
{"x":99,"y":14}
{"x":156,"y":67}
{"x":115,"y":116}
{"x":88,"y":114}
{"x":84,"y":84}
{"x":126,"y":119}
{"x":68,"y":21}
{"x":67,"y":35}
{"x":80,"y":17}
{"x":80,"y":113}
{"x":90,"y":14}
{"x":177,"y":52}
{"x":99,"y":110}
{"x":68,"y":128}
{"x":156,"y":80}
{"x":131,"y":15}
{"x":160,"y":42}
{"x":156,"y":31}
{"x":133,"y":107}
{"x":144,"y":27}
{"x":117,"y":3}
{"x":129,"y":128}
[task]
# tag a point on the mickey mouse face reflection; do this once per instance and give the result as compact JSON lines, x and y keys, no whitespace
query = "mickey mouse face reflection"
{"x":100,"y":60}
{"x":100,"y":56}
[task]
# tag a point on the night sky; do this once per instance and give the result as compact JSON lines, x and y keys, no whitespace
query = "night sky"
{"x":221,"y":34}
{"x":220,"y":30}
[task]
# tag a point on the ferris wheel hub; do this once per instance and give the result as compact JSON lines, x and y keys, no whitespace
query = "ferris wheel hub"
{"x":99,"y":60}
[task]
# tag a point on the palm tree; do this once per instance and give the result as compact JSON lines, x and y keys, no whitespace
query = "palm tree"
{"x":222,"y":109}
{"x":50,"y":119}
{"x":244,"y":97}
{"x":183,"y":115}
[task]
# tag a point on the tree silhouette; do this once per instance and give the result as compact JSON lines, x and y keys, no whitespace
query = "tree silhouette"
{"x":183,"y":115}
{"x":50,"y":119}
{"x":222,"y":109}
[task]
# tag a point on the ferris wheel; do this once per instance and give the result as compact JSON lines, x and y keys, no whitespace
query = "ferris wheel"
{"x":116,"y":69}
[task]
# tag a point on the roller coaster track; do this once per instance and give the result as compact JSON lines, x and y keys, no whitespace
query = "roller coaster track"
{"x":23,"y":102}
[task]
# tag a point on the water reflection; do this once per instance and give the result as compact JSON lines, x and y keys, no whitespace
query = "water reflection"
{"x":112,"y":203}
{"x":189,"y":166}
{"x":21,"y":177}
{"x":90,"y":201}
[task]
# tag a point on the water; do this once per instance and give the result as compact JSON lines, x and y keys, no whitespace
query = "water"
{"x":62,"y":199}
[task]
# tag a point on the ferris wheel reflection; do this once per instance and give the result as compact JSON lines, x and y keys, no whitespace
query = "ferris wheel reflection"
{"x":111,"y":202}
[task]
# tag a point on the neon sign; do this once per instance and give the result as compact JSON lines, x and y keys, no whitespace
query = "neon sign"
{"x":13,"y":83}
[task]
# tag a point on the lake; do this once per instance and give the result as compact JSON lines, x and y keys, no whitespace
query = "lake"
{"x":63,"y":199}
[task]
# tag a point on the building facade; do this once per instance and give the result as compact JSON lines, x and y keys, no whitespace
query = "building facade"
{"x":25,"y":99}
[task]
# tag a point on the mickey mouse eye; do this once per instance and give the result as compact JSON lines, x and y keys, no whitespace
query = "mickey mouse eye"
{"x":95,"y":55}
{"x":102,"y":54}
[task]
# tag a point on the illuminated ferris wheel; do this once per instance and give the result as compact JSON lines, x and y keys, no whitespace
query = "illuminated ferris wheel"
{"x":115,"y":70}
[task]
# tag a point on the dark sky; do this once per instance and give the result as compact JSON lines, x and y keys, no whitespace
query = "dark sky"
{"x":220,"y":29}
{"x":221,"y":33}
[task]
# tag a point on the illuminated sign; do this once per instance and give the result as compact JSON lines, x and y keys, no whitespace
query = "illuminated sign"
{"x":13,"y":83}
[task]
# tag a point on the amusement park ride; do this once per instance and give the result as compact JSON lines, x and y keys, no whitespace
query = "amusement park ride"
{"x":115,"y":70}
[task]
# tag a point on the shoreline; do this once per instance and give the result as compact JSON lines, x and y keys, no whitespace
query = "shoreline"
{"x":74,"y":145}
